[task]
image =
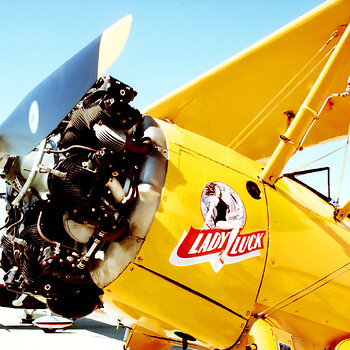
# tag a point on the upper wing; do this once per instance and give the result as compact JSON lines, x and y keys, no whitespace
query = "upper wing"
{"x":243,"y":102}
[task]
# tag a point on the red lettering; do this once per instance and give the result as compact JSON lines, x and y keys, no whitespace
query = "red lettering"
{"x":197,"y":243}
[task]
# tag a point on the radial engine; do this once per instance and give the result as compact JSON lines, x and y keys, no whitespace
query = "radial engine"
{"x":79,"y":206}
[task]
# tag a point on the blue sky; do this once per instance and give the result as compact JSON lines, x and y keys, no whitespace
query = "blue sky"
{"x":171,"y":41}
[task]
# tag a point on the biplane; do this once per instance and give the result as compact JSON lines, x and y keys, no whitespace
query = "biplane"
{"x":180,"y":221}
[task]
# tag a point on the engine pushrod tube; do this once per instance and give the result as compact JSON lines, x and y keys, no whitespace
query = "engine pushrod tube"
{"x":98,"y":241}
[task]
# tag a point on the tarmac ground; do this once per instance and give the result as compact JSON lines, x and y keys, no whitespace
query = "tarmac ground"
{"x":84,"y":334}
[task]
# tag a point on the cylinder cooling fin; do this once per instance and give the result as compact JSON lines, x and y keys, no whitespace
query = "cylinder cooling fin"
{"x":111,"y":138}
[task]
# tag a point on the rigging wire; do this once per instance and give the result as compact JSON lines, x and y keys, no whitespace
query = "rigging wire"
{"x":318,"y":159}
{"x":286,"y":86}
{"x":253,"y":128}
{"x":269,"y":311}
{"x":343,"y":168}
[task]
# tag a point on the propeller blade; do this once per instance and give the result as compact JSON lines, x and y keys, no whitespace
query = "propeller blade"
{"x":47,"y":104}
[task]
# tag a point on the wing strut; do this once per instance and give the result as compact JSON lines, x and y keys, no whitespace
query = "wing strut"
{"x":307,"y":115}
{"x":341,"y":213}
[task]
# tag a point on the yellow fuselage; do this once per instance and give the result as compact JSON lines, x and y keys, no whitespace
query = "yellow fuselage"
{"x":301,"y":244}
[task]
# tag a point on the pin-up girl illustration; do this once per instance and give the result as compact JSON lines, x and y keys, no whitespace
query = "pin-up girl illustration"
{"x":222,"y":209}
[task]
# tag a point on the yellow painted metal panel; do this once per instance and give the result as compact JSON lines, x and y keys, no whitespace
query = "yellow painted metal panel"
{"x":213,"y":306}
{"x":234,"y":285}
{"x":209,"y":149}
{"x":308,"y":257}
{"x":305,"y":245}
{"x":162,"y":307}
{"x":242,"y":102}
{"x":137,"y":340}
{"x":266,"y":336}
